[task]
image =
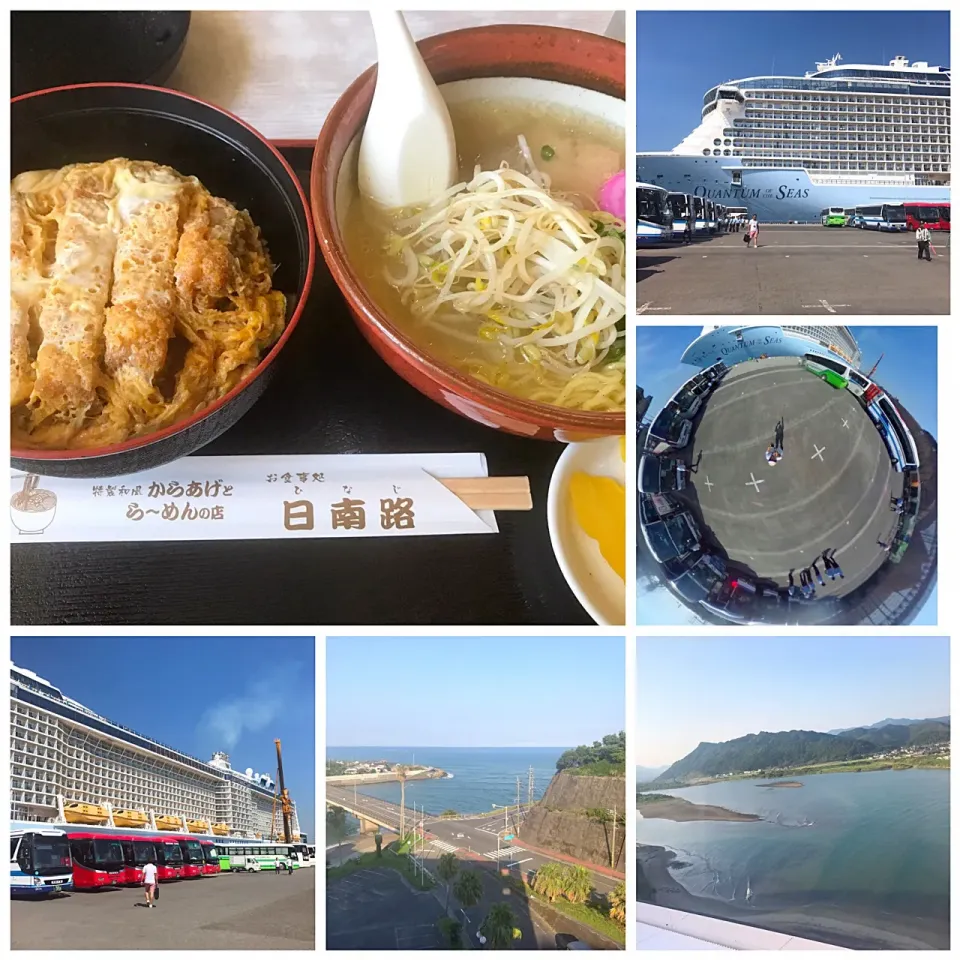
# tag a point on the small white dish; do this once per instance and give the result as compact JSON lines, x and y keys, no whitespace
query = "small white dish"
{"x":596,"y":585}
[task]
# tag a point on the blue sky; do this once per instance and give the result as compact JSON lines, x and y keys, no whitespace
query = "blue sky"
{"x":474,"y":691}
{"x":671,"y":83}
{"x":691,"y":690}
{"x":206,"y":693}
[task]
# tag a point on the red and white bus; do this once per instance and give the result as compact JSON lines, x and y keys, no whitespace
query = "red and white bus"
{"x":935,"y":215}
{"x":192,"y":856}
{"x":97,"y":860}
{"x":211,"y":858}
{"x":169,"y":858}
{"x":137,"y":853}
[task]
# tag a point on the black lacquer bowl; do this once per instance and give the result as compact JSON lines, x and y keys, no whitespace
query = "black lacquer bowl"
{"x":97,"y":122}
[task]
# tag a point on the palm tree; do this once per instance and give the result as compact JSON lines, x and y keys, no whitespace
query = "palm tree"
{"x":499,"y":927}
{"x":549,"y":881}
{"x":468,"y":889}
{"x":617,"y":899}
{"x":447,"y":869}
{"x":578,"y":884}
{"x":401,"y":772}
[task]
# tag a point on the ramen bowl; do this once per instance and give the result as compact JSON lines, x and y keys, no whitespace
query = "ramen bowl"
{"x":551,"y":66}
{"x":97,"y":122}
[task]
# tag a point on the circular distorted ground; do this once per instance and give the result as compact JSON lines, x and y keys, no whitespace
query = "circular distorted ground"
{"x":830,"y":492}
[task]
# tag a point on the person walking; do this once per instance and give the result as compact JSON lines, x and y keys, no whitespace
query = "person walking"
{"x":832,"y":568}
{"x":816,"y":570}
{"x":753,"y":232}
{"x":278,"y":867}
{"x":805,"y":585}
{"x":150,"y":883}
{"x":923,"y":242}
{"x":289,"y":866}
{"x":688,"y":227}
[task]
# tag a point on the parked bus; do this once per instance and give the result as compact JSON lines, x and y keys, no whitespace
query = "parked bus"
{"x":169,"y":858}
{"x":888,"y":217}
{"x":98,"y":860}
{"x":211,"y":858}
{"x":849,"y":213}
{"x":192,"y":857}
{"x":681,"y":205}
{"x":836,"y":372}
{"x":40,"y":862}
{"x":266,"y":853}
{"x":699,"y":216}
{"x":710,"y":211}
{"x":833,"y":217}
{"x":137,"y":853}
{"x":654,"y":215}
{"x":935,"y":215}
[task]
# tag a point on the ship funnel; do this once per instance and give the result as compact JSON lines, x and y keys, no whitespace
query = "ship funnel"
{"x":921,"y":65}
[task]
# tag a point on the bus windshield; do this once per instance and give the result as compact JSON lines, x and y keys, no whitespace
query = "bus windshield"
{"x":107,"y":851}
{"x":170,"y":852}
{"x":51,"y":856}
{"x":143,"y":852}
{"x":678,"y":204}
{"x":652,"y":206}
{"x":211,"y":854}
{"x":894,"y":213}
{"x":193,"y":853}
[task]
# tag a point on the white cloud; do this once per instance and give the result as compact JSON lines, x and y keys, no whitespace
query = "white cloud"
{"x":223,"y":724}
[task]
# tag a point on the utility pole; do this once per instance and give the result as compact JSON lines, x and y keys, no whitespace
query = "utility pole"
{"x":516,"y":813}
{"x":613,"y":846}
{"x":529,"y":788}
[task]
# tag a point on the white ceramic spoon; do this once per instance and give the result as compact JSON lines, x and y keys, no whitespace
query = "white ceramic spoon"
{"x":408,"y":155}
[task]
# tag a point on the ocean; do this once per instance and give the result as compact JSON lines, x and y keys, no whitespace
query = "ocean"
{"x":482,"y":776}
{"x":872,"y":846}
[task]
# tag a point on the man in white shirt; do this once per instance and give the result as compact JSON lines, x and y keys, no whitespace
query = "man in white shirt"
{"x":923,"y":242}
{"x":150,"y":882}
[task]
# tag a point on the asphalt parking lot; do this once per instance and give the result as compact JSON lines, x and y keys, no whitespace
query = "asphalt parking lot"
{"x":378,"y":910}
{"x":831,"y":491}
{"x":799,"y":270}
{"x":232,"y":911}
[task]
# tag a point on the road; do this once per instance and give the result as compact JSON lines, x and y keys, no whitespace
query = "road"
{"x":810,"y":271}
{"x":478,"y":835}
{"x":232,"y":911}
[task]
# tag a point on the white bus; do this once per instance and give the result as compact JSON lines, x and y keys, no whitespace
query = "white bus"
{"x":832,"y":368}
{"x":40,"y":862}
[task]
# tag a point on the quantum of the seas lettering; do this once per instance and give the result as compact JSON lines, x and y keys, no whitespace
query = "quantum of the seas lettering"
{"x":786,"y":193}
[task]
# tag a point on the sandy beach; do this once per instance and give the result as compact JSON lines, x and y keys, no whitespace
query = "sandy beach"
{"x":681,"y":811}
{"x":841,"y":928}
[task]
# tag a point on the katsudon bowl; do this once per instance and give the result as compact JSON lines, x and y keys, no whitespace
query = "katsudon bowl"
{"x":546,"y":69}
{"x":97,"y":122}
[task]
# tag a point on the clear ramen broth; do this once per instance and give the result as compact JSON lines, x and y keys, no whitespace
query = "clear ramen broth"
{"x":579,"y":153}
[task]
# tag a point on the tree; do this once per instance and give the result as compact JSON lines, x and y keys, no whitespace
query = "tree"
{"x":447,"y":869}
{"x":549,"y":881}
{"x":378,"y":840}
{"x":499,"y":927}
{"x":337,"y":825}
{"x":451,"y":931}
{"x":449,"y":814}
{"x":578,"y":885}
{"x":468,"y":889}
{"x":617,"y":901}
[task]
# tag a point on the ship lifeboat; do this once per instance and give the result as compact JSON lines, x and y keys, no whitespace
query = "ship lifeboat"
{"x":221,"y":829}
{"x":168,"y":823}
{"x":85,"y":813}
{"x":130,"y":818}
{"x":197,"y":826}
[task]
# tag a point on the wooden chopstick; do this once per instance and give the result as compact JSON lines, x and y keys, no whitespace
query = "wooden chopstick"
{"x":491,"y":493}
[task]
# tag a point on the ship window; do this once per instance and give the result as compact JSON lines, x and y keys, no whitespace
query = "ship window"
{"x":716,"y":153}
{"x":706,"y":152}
{"x":716,"y":142}
{"x":726,"y":153}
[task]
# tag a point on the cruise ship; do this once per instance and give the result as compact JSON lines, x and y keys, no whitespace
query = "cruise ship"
{"x":67,"y":762}
{"x":843,"y":135}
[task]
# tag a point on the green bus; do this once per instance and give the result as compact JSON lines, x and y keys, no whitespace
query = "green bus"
{"x":235,"y":856}
{"x":833,"y":217}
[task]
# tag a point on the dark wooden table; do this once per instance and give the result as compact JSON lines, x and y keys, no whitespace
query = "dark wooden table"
{"x":331,"y":394}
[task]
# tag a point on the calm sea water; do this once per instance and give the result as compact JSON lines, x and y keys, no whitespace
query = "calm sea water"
{"x":874,"y":844}
{"x":482,"y":776}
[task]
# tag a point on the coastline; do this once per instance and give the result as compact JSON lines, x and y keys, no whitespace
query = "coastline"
{"x":655,"y":884}
{"x":682,"y":811}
